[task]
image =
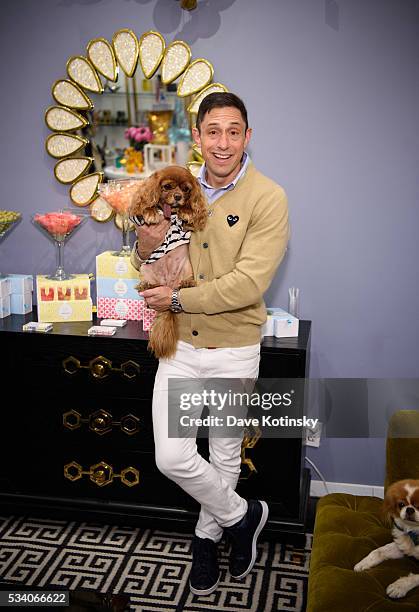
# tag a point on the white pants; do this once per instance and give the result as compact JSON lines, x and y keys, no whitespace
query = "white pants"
{"x":213,"y":483}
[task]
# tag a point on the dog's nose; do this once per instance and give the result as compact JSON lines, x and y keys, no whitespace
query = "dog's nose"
{"x":178,"y":197}
{"x":410,"y":510}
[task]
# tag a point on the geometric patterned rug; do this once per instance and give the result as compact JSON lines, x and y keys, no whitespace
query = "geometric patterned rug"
{"x":150,"y":566}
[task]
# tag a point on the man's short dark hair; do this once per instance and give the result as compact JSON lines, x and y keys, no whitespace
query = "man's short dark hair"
{"x":220,"y":99}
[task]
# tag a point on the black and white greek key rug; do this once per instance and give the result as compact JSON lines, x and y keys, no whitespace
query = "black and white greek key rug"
{"x":151,"y":567}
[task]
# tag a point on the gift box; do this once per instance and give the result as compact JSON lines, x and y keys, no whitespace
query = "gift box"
{"x":113,"y":266}
{"x":117,"y":288}
{"x":20,"y":283}
{"x":5,"y":287}
{"x":280,"y":324}
{"x":21,"y":303}
{"x":77,"y":288}
{"x":148,"y":318}
{"x":59,"y":311}
{"x":120,"y":308}
{"x":5,"y":306}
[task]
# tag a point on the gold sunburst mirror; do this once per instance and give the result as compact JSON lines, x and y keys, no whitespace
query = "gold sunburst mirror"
{"x":110,"y":87}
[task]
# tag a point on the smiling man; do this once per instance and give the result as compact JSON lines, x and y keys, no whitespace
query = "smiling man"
{"x":234,"y":260}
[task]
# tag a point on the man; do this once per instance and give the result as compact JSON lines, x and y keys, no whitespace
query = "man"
{"x":234,"y":260}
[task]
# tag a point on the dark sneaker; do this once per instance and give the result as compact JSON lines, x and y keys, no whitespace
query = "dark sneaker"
{"x":244,"y":535}
{"x":205,"y":573}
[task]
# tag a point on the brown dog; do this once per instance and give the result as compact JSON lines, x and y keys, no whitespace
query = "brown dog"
{"x":172,"y":193}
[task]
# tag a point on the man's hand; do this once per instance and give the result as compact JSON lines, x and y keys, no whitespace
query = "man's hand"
{"x":159,"y":298}
{"x":150,"y":237}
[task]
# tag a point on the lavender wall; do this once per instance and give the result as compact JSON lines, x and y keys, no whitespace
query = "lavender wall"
{"x":332,"y":92}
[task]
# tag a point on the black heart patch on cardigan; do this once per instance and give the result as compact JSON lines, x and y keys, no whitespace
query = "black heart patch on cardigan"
{"x":232,"y":219}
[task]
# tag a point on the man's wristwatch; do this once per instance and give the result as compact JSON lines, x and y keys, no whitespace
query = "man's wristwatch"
{"x":175,"y":305}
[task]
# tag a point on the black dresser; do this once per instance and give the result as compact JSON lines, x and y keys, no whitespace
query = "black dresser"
{"x":76,"y":432}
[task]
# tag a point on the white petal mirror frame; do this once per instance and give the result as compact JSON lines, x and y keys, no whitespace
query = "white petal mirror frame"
{"x":105,"y":59}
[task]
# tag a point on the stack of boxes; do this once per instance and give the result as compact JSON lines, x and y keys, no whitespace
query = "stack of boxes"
{"x":117,"y":297}
{"x":67,"y":300}
{"x":280,"y":323}
{"x":15,"y":294}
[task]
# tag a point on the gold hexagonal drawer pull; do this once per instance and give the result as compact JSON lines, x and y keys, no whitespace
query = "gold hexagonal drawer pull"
{"x":102,"y":474}
{"x":73,"y":471}
{"x":101,"y":422}
{"x":250,"y":439}
{"x":101,"y":367}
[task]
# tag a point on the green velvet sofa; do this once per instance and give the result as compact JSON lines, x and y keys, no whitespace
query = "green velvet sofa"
{"x":348,"y":527}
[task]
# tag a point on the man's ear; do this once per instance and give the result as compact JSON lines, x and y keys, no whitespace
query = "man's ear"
{"x":247,"y":136}
{"x":196,"y":136}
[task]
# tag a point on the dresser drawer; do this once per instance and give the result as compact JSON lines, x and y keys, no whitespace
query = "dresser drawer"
{"x":79,"y":366}
{"x":88,"y":422}
{"x":88,"y":473}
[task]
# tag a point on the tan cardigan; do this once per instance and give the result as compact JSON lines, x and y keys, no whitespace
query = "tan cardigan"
{"x":234,"y":260}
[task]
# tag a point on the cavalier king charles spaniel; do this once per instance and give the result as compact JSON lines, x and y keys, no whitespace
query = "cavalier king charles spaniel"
{"x":401,"y":506}
{"x":172,"y":193}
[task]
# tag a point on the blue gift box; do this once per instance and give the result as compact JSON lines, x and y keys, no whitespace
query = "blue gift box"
{"x":117,"y":288}
{"x":21,"y":304}
{"x":21,"y":283}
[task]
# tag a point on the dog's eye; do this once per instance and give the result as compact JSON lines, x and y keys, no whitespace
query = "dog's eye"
{"x":167,"y":187}
{"x":401,"y":505}
{"x":185,"y":188}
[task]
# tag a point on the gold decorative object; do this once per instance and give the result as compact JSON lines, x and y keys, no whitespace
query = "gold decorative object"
{"x":197,"y":75}
{"x":61,"y":119}
{"x":101,"y":422}
{"x":80,"y":70}
{"x":101,"y":474}
{"x":175,"y":60}
{"x":194,"y":167}
{"x":102,"y":56}
{"x":61,"y":144}
{"x":250,"y":440}
{"x":125,"y":45}
{"x":151,"y":50}
{"x":188,"y":5}
{"x":67,"y":93}
{"x":101,"y":211}
{"x":84,"y":189}
{"x":159,"y":122}
{"x":133,"y":160}
{"x":211,"y":88}
{"x":68,"y":170}
{"x":100,"y":367}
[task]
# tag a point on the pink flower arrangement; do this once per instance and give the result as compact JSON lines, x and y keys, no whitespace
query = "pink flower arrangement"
{"x":138,"y":136}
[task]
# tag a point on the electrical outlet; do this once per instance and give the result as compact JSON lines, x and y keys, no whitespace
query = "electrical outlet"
{"x":313,"y":435}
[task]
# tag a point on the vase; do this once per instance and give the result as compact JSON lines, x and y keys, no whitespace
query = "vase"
{"x":59,"y":226}
{"x":119,"y":194}
{"x":8,"y":220}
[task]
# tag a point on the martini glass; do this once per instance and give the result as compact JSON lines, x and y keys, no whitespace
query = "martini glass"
{"x":59,"y":226}
{"x":119,"y":193}
{"x":8,"y":219}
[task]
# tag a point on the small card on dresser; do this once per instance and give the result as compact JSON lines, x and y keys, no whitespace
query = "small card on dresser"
{"x":35,"y":326}
{"x":99,"y":330}
{"x":114,"y":322}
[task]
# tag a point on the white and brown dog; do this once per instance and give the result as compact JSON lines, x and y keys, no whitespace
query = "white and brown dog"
{"x":401,"y":505}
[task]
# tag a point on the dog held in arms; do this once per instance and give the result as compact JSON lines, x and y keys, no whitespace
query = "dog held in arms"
{"x":172,"y":193}
{"x":401,"y":506}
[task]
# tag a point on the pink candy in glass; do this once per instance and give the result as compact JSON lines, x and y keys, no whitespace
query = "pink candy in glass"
{"x":119,"y":196}
{"x":58,"y":223}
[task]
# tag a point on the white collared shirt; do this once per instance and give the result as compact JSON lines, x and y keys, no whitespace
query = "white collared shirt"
{"x":213,"y":193}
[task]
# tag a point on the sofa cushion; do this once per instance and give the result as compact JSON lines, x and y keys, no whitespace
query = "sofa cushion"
{"x":347,"y":528}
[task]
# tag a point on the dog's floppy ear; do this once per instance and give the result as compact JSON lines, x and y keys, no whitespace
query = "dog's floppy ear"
{"x":389,"y":507}
{"x":147,"y":196}
{"x":198,"y":205}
